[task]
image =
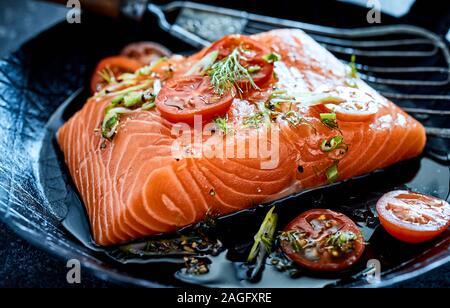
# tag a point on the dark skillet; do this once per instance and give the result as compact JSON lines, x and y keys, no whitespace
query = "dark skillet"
{"x":36,"y":194}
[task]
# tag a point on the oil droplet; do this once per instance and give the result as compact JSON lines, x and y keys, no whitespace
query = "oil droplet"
{"x":259,"y":190}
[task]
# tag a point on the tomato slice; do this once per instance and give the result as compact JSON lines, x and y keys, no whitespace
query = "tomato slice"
{"x":358,"y":106}
{"x":251,"y":55}
{"x":116,"y":65}
{"x":145,"y":52}
{"x":228,"y":43}
{"x":183,"y":97}
{"x":412,"y":217}
{"x":263,"y":73}
{"x":323,"y":240}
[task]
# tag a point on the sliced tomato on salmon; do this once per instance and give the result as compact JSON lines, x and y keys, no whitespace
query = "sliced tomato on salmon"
{"x":413,"y":217}
{"x":251,"y":56}
{"x":252,"y":48}
{"x":184,"y":97}
{"x":323,"y":240}
{"x":145,"y":52}
{"x":112,"y":67}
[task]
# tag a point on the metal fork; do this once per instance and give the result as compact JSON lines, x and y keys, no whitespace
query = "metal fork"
{"x":423,"y":53}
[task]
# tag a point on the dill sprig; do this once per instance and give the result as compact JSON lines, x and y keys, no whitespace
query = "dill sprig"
{"x":228,"y":72}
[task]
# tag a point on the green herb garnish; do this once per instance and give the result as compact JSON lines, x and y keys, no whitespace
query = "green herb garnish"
{"x":352,"y":77}
{"x":126,"y":101}
{"x":149,"y":105}
{"x":132,"y":99}
{"x":271,"y":57}
{"x":264,"y":238}
{"x":107,"y":75}
{"x":148,"y":69}
{"x":204,"y":64}
{"x":228,"y":72}
{"x":221,"y":123}
{"x":353,"y":69}
{"x":254,"y":68}
{"x":342,"y":241}
{"x":329,"y":120}
{"x":110,"y":122}
{"x":293,"y":117}
{"x":332,"y":173}
{"x":332,"y":144}
{"x":294,"y":238}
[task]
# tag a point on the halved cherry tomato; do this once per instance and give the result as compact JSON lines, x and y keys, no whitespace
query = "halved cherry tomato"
{"x":260,"y":76}
{"x":358,"y":106}
{"x":115,"y":65}
{"x":183,"y":97}
{"x":323,"y":240}
{"x":412,"y":217}
{"x":251,"y":57}
{"x":145,"y":52}
{"x":228,"y":43}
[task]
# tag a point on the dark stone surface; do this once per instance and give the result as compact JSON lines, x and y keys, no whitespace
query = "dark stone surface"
{"x":22,"y":265}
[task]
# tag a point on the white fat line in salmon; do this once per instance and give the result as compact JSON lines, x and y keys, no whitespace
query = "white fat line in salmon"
{"x":207,"y":141}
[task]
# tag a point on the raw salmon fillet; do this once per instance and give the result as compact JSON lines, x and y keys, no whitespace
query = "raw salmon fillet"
{"x":133,"y":187}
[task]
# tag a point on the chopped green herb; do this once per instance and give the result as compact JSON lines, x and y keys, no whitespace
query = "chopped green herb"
{"x":329,"y":120}
{"x":342,"y":241}
{"x":332,"y":144}
{"x":332,"y":173}
{"x":221,"y":123}
{"x":132,"y":99}
{"x":149,"y":105}
{"x":313,"y":99}
{"x":127,"y":76}
{"x":271,"y":57}
{"x":279,"y":96}
{"x":117,"y":100}
{"x":353,"y":69}
{"x":254,"y":68}
{"x":109,"y":125}
{"x":228,"y":72}
{"x":107,"y":75}
{"x":148,"y":69}
{"x":125,"y":91}
{"x":263,"y":239}
{"x":293,"y":117}
{"x":294,"y":238}
{"x":352,"y":77}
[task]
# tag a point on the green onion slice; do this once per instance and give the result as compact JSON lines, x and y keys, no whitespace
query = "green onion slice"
{"x":265,"y":236}
{"x":332,"y":173}
{"x":271,"y":57}
{"x":203,"y":65}
{"x":332,"y":144}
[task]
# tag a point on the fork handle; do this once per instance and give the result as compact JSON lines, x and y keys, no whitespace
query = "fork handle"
{"x":131,"y":9}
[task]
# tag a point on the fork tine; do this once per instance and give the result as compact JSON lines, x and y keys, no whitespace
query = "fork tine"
{"x":403,"y":82}
{"x":377,"y":53}
{"x":420,"y":69}
{"x":443,"y":113}
{"x":371,"y":44}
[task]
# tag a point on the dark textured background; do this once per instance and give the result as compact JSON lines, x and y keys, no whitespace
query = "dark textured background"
{"x":22,"y":265}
